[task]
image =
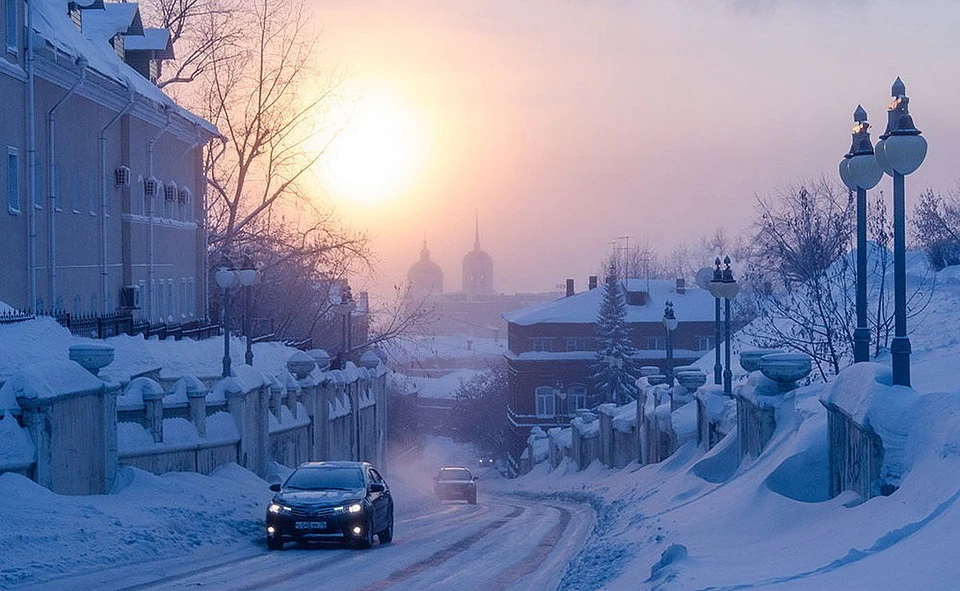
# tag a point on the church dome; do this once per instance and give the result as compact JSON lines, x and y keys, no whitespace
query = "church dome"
{"x":425,"y":276}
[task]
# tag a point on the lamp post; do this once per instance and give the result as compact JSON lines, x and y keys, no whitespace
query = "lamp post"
{"x":725,"y":287}
{"x":860,"y":172}
{"x":670,"y":323}
{"x":561,"y":395}
{"x":899,"y":152}
{"x":704,"y":277}
{"x":248,"y":276}
{"x":227,"y":276}
{"x":347,"y":306}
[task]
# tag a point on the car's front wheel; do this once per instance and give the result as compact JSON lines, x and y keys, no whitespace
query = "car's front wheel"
{"x":366,"y":539}
{"x":386,"y":535}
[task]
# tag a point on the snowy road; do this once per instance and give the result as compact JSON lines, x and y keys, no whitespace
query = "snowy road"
{"x":502,"y":543}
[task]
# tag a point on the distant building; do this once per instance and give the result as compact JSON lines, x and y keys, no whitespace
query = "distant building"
{"x":478,"y":309}
{"x":103,"y":172}
{"x":425,"y":276}
{"x":553,"y":346}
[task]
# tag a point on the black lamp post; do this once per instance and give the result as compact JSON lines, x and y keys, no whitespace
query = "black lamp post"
{"x":561,"y":395}
{"x":727,"y":288}
{"x":900,"y":152}
{"x":704,"y":277}
{"x":227,"y":276}
{"x":860,"y":172}
{"x":670,"y":323}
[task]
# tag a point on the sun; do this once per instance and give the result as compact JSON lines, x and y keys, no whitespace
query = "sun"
{"x":378,"y":152}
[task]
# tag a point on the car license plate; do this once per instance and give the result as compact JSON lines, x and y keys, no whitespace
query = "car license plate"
{"x":311,"y":525}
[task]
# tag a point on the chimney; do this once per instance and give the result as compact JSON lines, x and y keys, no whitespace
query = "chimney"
{"x":569,"y":287}
{"x":592,"y":282}
{"x":681,"y":286}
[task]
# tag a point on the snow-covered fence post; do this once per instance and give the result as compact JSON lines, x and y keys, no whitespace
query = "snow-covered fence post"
{"x":64,"y":410}
{"x":293,"y":393}
{"x":276,"y":399}
{"x":111,"y":450}
{"x":153,"y":410}
{"x":197,"y":400}
{"x":607,"y":412}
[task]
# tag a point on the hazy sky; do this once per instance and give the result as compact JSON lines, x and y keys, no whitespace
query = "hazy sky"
{"x":569,"y":123}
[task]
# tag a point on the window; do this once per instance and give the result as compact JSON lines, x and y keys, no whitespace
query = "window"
{"x":576,"y":397}
{"x":37,"y":186}
{"x":546,"y":402}
{"x":77,"y":191}
{"x":539,"y":344}
{"x":704,"y":343}
{"x":92,"y":195}
{"x":57,"y":199}
{"x":573,"y":345}
{"x":655,"y":343}
{"x":10,"y":18}
{"x":13,"y":180}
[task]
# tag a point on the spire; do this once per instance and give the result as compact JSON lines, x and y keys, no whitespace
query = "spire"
{"x":476,"y":239}
{"x":424,"y":252}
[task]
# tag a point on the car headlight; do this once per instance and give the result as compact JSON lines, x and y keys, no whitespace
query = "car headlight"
{"x":278,"y":508}
{"x":351,"y":508}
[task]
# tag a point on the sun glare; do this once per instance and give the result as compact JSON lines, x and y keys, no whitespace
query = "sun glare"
{"x":378,"y":154}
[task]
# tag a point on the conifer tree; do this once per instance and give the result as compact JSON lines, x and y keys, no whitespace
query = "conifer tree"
{"x":615,"y":370}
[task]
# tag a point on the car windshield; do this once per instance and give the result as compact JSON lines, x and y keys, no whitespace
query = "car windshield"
{"x":455,"y":474}
{"x":326,"y":478}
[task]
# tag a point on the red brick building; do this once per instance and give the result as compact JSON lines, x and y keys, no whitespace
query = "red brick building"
{"x":552,"y":346}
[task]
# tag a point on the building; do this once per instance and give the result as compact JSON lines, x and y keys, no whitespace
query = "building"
{"x":478,"y":309}
{"x":103,"y":175}
{"x":552,"y":346}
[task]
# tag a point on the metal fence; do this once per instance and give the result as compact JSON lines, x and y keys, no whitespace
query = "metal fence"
{"x":109,"y":325}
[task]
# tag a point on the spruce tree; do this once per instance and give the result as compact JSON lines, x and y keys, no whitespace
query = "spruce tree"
{"x":615,"y":370}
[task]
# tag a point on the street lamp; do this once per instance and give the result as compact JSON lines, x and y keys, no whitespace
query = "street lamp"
{"x":860,"y":172}
{"x":900,"y":152}
{"x":725,"y":287}
{"x":704,"y":277}
{"x":670,"y":323}
{"x":249,"y":276}
{"x":561,"y":395}
{"x":228,"y":277}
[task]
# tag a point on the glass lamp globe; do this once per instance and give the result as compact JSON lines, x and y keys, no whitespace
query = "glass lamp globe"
{"x":905,"y":153}
{"x":864,"y":171}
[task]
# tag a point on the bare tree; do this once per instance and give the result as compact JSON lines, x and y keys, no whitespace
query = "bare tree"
{"x":201,"y":31}
{"x":799,"y":247}
{"x":936,"y":227}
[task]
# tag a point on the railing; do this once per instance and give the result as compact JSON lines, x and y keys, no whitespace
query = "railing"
{"x":109,"y":325}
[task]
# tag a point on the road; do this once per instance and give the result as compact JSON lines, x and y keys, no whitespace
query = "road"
{"x":504,"y":542}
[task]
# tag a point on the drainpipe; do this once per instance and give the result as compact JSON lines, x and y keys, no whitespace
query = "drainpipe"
{"x":103,"y":194}
{"x":51,"y":182}
{"x":206,"y":237}
{"x":196,"y":142}
{"x":151,"y":269}
{"x":31,"y":168}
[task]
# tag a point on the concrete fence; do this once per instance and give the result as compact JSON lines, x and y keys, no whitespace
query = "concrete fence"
{"x":73,"y":430}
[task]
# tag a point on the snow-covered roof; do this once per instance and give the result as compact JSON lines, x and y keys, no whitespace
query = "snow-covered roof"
{"x":693,"y":305}
{"x":156,"y":40}
{"x":54,"y":25}
{"x":114,"y":19}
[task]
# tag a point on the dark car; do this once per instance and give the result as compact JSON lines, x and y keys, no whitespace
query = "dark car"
{"x":455,"y":482}
{"x":346,"y":501}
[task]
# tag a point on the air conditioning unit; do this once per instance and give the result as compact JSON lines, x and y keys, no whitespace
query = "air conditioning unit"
{"x":122,"y":176}
{"x":131,"y":297}
{"x":150,"y":187}
{"x":170,"y":192}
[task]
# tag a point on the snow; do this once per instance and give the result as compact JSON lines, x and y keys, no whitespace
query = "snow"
{"x":693,"y":305}
{"x":697,"y":520}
